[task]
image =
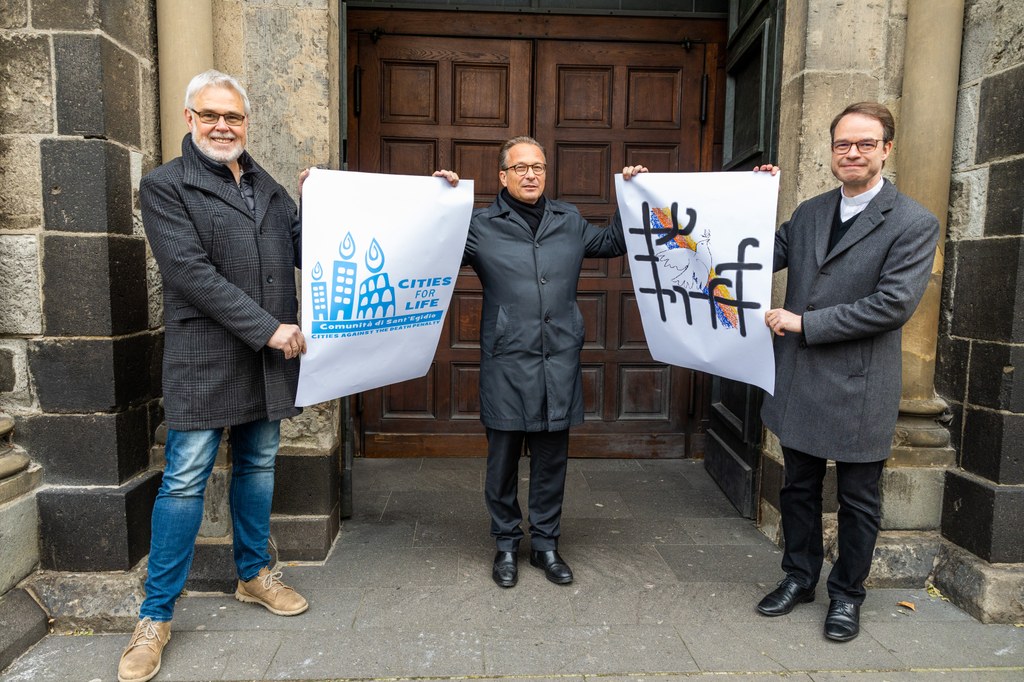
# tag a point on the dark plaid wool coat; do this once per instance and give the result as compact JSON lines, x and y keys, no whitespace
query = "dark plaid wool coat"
{"x":229,"y":282}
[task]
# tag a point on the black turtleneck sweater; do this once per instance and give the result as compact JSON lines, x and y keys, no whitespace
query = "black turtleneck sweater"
{"x":531,"y":213}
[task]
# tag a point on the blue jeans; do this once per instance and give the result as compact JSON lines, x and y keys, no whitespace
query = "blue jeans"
{"x":178,"y":510}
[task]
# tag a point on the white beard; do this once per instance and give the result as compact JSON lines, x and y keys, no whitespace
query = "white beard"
{"x":217,"y":154}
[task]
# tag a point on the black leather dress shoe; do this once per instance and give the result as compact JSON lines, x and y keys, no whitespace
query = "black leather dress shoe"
{"x":843,"y":620}
{"x":555,"y":568}
{"x":506,"y":569}
{"x":784,"y":598}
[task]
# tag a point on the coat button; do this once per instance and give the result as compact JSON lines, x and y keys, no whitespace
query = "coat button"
{"x":547,"y":318}
{"x":270,"y":279}
{"x":547,"y":356}
{"x":543,"y":280}
{"x":810,"y":306}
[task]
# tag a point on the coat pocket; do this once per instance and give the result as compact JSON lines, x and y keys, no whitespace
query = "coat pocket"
{"x":502,"y":331}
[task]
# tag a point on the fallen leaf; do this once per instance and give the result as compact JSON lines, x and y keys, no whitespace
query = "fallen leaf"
{"x":907,"y":605}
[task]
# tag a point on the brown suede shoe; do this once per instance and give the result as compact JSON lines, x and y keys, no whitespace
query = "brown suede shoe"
{"x":266,"y":589}
{"x":141,"y":659}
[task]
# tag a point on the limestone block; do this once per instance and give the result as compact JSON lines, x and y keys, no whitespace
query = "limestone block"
{"x":829,"y":26}
{"x":315,"y":430}
{"x":229,"y":38}
{"x":968,"y":196}
{"x":14,"y":14}
{"x":20,"y":198}
{"x":823,"y":96}
{"x":912,"y":497}
{"x":149,"y":111}
{"x":20,"y":305}
{"x":993,"y":38}
{"x":289,"y":88}
{"x":992,"y":593}
{"x":903,"y":559}
{"x":890,"y":73}
{"x":26,"y":98}
{"x":19,"y":536}
{"x":22,"y":483}
{"x":965,"y":136}
{"x":103,"y":602}
{"x":216,"y":508}
{"x":155,"y":289}
{"x":19,"y":399}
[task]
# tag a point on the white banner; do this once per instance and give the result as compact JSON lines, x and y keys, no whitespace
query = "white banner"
{"x":700,"y":254}
{"x":380,"y":254}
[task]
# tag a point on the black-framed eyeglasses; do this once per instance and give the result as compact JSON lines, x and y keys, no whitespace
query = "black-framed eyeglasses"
{"x":521,"y":168}
{"x":212,"y":117}
{"x":863,"y":146}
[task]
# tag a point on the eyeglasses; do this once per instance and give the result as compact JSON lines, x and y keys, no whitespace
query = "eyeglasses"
{"x":212,"y":117}
{"x":863,"y":146}
{"x":521,"y":168}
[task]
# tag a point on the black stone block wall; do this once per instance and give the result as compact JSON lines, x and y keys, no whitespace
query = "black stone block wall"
{"x":96,"y":529}
{"x":981,"y":337}
{"x":93,"y":362}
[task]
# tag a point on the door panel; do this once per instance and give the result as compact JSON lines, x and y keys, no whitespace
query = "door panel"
{"x":433,"y":102}
{"x":599,"y":107}
{"x":751,"y":138}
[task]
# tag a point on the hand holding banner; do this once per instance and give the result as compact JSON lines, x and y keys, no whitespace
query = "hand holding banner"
{"x":700,"y":254}
{"x":380,"y":255}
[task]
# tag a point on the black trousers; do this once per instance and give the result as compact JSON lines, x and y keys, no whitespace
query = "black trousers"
{"x":859,"y":520}
{"x":549,"y":455}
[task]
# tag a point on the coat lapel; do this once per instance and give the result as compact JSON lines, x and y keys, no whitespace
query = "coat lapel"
{"x":870,"y":218}
{"x":265,"y":188}
{"x":823,"y":225}
{"x":196,"y":175}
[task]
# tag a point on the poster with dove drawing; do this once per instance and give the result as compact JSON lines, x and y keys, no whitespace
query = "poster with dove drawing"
{"x":700,"y":254}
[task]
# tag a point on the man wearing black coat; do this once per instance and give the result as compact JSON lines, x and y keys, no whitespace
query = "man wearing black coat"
{"x":527,"y":251}
{"x":858,"y":259}
{"x":227,"y":239}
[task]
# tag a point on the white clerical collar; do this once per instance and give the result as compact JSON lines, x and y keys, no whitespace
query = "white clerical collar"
{"x":851,"y":206}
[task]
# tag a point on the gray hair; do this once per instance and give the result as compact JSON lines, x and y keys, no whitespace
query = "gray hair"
{"x":520,"y":139}
{"x":216,"y":79}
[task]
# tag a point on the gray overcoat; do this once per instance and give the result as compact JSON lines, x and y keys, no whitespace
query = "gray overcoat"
{"x":531,"y":330}
{"x":838,"y":385}
{"x":229,"y":282}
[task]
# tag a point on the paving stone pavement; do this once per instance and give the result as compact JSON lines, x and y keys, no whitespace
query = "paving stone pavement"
{"x":667,"y":576}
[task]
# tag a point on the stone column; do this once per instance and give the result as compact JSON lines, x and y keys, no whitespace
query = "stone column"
{"x":185,"y":42}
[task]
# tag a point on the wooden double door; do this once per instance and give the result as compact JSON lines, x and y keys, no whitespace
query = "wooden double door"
{"x":422,"y":98}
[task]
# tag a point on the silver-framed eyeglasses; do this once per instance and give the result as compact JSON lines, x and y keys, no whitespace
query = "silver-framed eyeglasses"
{"x":522,"y":168}
{"x":863,"y":146}
{"x":212,"y":117}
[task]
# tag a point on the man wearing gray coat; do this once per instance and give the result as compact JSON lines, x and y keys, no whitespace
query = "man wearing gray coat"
{"x":858,"y":260}
{"x":527,"y":251}
{"x":227,"y":239}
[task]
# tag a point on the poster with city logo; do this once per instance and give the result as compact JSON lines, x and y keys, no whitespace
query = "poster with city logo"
{"x":380,"y":254}
{"x":700,"y":253}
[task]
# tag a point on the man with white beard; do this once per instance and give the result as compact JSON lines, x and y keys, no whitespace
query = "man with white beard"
{"x":227,"y":239}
